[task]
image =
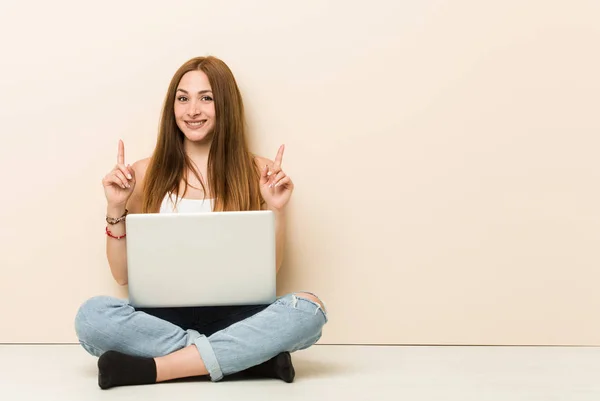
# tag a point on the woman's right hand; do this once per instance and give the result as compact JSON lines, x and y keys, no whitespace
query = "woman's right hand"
{"x":120,"y":182}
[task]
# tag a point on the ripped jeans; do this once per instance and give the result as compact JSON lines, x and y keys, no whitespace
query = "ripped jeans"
{"x":229,"y":339}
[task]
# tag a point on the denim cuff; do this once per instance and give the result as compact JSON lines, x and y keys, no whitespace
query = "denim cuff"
{"x":206,"y":353}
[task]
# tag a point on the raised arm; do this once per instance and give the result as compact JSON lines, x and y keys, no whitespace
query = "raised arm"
{"x":122,"y":194}
{"x":276,"y":189}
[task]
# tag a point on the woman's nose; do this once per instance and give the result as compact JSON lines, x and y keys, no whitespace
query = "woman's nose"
{"x":193,"y":109}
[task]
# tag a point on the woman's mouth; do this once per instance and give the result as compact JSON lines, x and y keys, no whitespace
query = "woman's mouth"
{"x":195,"y":124}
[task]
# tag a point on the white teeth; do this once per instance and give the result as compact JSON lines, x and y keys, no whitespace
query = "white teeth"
{"x":195,"y":123}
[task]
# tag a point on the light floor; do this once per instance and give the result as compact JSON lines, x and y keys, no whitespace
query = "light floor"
{"x":66,"y":372}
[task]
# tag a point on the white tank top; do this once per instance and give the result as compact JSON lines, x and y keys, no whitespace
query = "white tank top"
{"x":185,"y":205}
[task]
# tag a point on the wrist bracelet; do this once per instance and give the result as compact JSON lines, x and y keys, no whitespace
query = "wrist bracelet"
{"x":112,"y":220}
{"x":114,"y":236}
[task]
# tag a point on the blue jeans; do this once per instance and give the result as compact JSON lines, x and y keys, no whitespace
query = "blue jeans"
{"x":229,"y":339}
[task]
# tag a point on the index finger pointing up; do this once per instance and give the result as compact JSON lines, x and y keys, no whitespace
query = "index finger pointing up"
{"x":121,"y":153}
{"x":279,"y":157}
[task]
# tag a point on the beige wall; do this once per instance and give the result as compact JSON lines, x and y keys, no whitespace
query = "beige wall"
{"x":444,"y":154}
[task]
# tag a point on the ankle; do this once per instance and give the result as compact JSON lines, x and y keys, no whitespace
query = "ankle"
{"x":163,"y":373}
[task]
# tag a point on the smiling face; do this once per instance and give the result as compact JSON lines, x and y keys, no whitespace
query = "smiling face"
{"x":202,"y":120}
{"x":194,"y":107}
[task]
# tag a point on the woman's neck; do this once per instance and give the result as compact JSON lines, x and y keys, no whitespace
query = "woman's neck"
{"x":197,"y":152}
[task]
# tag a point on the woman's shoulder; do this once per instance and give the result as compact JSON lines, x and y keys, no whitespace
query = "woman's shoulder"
{"x":262,"y":161}
{"x":140,"y":167}
{"x":135,"y":201}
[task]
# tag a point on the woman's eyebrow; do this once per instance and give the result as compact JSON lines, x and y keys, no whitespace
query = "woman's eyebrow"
{"x":199,"y":92}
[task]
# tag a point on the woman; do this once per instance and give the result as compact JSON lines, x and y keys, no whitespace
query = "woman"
{"x":201,"y":163}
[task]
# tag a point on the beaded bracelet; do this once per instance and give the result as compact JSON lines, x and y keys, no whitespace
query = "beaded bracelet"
{"x":112,"y":220}
{"x":114,"y":236}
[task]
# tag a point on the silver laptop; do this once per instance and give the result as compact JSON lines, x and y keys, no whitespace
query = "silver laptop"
{"x":201,"y":259}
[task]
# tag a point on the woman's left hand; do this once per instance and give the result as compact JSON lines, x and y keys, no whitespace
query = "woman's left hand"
{"x":275,"y":186}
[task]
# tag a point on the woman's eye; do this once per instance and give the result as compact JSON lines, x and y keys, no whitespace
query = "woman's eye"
{"x":206,"y":98}
{"x":182,"y":98}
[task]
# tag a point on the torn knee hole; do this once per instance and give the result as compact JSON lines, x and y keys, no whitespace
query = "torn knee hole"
{"x":312,"y":298}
